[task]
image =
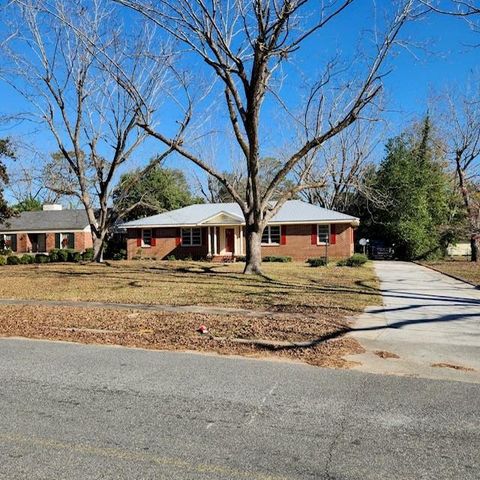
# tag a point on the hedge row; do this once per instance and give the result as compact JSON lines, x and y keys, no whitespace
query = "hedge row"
{"x":356,"y":260}
{"x":56,"y":255}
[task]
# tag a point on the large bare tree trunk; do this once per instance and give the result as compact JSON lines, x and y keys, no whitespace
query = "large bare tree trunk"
{"x":475,"y":245}
{"x":98,"y":248}
{"x":253,"y":261}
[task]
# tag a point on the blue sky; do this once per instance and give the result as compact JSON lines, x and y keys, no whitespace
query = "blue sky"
{"x":448,"y":61}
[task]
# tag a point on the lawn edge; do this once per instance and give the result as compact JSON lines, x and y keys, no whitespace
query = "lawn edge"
{"x":475,"y":285}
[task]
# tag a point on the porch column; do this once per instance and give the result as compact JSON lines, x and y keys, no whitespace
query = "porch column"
{"x":241,"y":240}
{"x":214,"y":240}
{"x":209,"y":241}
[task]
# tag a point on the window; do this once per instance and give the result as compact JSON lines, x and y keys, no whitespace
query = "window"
{"x":271,"y":235}
{"x":146,"y":238}
{"x":191,"y":237}
{"x":323,"y":234}
{"x":8,"y":242}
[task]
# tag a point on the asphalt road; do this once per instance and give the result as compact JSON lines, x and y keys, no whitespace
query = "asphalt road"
{"x":86,"y":412}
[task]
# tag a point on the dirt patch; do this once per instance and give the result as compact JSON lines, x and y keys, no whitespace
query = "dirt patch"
{"x":385,"y":354}
{"x":453,"y":366}
{"x":178,"y":331}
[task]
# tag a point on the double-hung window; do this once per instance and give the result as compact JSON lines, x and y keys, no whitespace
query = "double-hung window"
{"x":323,"y":234}
{"x":271,"y":235}
{"x":191,"y":237}
{"x":146,"y":237}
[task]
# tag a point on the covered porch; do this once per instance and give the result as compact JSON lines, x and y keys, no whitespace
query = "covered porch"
{"x":225,"y":236}
{"x":225,"y":241}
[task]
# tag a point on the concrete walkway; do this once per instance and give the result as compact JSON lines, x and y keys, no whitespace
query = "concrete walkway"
{"x":427,"y":319}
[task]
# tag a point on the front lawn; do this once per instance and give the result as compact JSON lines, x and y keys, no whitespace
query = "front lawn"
{"x":292,"y":303}
{"x":460,"y":268}
{"x":292,"y":287}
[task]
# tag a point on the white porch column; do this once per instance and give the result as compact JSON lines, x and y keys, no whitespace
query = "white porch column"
{"x":241,"y":240}
{"x":209,"y":241}
{"x":214,"y":240}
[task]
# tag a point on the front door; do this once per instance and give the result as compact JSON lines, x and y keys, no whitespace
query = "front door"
{"x":229,"y":240}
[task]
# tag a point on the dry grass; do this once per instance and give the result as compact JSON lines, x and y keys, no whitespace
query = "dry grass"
{"x":291,"y":287}
{"x":461,"y":268}
{"x":179,"y":331}
{"x":453,"y":366}
{"x":385,"y":354}
{"x":311,"y":304}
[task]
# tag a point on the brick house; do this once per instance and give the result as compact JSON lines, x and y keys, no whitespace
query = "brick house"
{"x":40,"y":232}
{"x":216,"y":231}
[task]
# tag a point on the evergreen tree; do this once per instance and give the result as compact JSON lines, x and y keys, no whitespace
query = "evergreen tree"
{"x":413,"y":180}
{"x":6,"y":151}
{"x":160,"y":190}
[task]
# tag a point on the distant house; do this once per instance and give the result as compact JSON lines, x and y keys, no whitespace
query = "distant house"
{"x":40,"y":232}
{"x":217,"y":231}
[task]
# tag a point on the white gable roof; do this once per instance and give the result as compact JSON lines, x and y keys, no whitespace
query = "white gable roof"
{"x":293,"y":211}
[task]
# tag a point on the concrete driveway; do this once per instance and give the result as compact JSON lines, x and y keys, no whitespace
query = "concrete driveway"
{"x":427,"y":319}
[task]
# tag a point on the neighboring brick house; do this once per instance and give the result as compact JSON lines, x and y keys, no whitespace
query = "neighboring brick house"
{"x":216,"y":231}
{"x":40,"y":232}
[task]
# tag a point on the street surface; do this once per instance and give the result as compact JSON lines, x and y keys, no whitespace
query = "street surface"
{"x":72,"y":411}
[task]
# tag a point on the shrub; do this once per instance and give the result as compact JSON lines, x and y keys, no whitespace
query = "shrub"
{"x":88,"y":255}
{"x":3,"y":260}
{"x":74,"y":256}
{"x":5,"y":251}
{"x":356,"y":260}
{"x":241,"y":258}
{"x":188,"y":258}
{"x":171,"y":258}
{"x":27,"y":259}
{"x":317,"y":262}
{"x":120,"y":255}
{"x":13,"y":260}
{"x":41,"y":258}
{"x":277,"y":258}
{"x":342,"y":263}
{"x":54,"y":254}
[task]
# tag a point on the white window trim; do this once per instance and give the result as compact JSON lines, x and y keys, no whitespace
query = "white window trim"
{"x":191,"y":237}
{"x":328,"y":234}
{"x":146,"y":245}
{"x":270,"y":243}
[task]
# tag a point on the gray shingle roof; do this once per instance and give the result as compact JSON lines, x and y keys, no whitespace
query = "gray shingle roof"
{"x":64,"y":220}
{"x":294,"y":211}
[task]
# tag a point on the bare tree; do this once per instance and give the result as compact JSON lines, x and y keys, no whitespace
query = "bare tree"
{"x":341,"y":166}
{"x":57,"y":60}
{"x":247,"y":45}
{"x":462,"y":131}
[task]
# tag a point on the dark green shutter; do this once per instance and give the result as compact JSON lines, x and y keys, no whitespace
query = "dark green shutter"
{"x":57,"y":240}
{"x":71,"y":240}
{"x":13,"y":243}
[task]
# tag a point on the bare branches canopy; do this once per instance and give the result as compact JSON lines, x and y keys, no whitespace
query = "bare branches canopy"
{"x":249,"y":48}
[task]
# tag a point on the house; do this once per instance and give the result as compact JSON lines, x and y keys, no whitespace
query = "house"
{"x":40,"y":232}
{"x":217,"y":231}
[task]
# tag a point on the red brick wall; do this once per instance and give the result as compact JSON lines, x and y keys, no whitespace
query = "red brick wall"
{"x":298,"y":244}
{"x":165,"y":245}
{"x":83,"y":240}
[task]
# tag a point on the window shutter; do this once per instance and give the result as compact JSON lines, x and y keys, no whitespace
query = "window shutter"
{"x":204,"y":236}
{"x":13,"y":243}
{"x":314,"y":235}
{"x":71,"y":240}
{"x":139,"y":237}
{"x":57,"y":240}
{"x":178,"y":239}
{"x":283,"y":235}
{"x":333,"y":234}
{"x":154,"y":237}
